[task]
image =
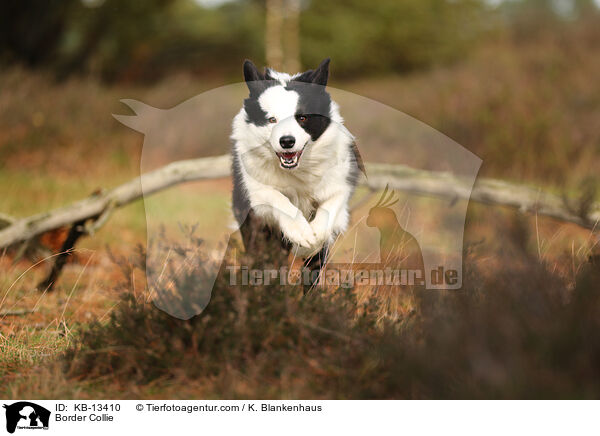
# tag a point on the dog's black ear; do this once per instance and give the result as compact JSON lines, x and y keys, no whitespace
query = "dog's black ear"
{"x":305,"y":77}
{"x":321,"y":74}
{"x":318,"y":76}
{"x":251,"y":74}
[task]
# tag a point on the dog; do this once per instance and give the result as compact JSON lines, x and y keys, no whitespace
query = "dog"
{"x":294,"y":163}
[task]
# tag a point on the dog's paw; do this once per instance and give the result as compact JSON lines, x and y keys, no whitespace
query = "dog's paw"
{"x":321,"y":230}
{"x":299,"y":232}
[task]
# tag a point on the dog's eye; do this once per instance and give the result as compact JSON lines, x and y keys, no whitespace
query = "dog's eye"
{"x":301,"y":118}
{"x":272,"y":120}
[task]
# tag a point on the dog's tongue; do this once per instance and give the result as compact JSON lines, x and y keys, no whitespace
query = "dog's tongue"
{"x":288,"y":155}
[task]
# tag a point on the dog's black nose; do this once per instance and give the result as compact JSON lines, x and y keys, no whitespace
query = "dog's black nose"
{"x":287,"y":141}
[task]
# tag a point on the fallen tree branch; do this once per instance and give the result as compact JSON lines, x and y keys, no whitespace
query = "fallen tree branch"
{"x":76,"y":232}
{"x":400,"y":177}
{"x":488,"y":191}
{"x":31,"y":248}
{"x":6,"y":220}
{"x":177,"y":172}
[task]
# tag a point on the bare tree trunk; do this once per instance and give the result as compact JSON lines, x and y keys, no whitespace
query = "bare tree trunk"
{"x":273,"y":33}
{"x":292,"y":37}
{"x":282,"y":35}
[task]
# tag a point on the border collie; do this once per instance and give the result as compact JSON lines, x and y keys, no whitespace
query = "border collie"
{"x":295,"y":165}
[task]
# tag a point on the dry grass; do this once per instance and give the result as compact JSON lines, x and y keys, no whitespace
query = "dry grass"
{"x":519,"y":332}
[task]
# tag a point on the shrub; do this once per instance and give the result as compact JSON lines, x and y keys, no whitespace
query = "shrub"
{"x":516,"y":333}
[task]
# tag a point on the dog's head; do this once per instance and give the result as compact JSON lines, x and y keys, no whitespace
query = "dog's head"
{"x":291,"y":112}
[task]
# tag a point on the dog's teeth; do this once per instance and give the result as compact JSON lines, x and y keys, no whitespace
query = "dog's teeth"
{"x":289,"y":161}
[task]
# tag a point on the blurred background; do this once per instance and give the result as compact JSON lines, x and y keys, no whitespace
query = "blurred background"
{"x":514,"y":81}
{"x":144,"y":41}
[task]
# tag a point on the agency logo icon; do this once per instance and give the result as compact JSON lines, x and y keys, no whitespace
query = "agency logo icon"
{"x":26,"y":415}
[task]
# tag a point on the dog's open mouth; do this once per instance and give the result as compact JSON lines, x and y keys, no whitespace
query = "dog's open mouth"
{"x":289,"y":160}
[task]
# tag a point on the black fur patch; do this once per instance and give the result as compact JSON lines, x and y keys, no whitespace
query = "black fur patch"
{"x":356,"y":168}
{"x":315,"y":101}
{"x":254,"y":113}
{"x":315,"y":104}
{"x":257,"y":83}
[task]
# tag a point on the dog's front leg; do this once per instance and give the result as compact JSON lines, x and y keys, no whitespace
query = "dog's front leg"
{"x":273,"y":206}
{"x":331,"y":218}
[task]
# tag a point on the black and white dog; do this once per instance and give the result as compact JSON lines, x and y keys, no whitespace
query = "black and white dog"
{"x":295,"y":165}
